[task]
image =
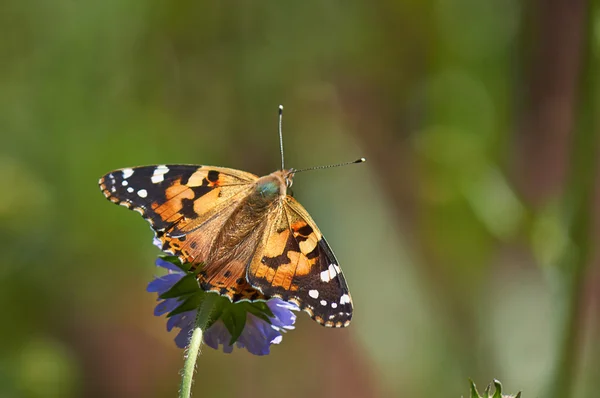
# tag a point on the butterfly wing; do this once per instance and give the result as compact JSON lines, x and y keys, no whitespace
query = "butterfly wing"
{"x":187,"y":206}
{"x":174,"y":197}
{"x":295,"y":263}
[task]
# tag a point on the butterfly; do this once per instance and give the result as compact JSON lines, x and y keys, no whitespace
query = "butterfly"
{"x":253,"y":239}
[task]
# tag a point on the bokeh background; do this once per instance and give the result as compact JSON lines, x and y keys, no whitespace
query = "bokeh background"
{"x":468,"y":238}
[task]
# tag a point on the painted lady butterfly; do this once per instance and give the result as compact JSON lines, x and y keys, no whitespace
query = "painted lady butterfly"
{"x":255,"y":240}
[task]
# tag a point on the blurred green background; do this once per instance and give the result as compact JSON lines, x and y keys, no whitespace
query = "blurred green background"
{"x":468,"y":238}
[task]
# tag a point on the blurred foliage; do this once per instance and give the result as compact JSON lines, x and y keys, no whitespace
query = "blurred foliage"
{"x":449,"y":235}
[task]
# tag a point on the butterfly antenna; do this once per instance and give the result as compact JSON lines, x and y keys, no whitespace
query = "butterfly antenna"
{"x":332,"y":165}
{"x":281,"y":136}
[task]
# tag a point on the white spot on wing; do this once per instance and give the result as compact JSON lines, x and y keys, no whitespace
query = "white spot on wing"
{"x":124,"y":183}
{"x":127,"y":173}
{"x":345,"y":299}
{"x":313,"y":293}
{"x":130,"y":190}
{"x":159,"y":174}
{"x":142,"y":193}
{"x":333,"y":305}
{"x":323,"y":302}
{"x":330,"y":273}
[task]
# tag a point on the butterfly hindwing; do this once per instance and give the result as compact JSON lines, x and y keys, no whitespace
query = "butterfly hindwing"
{"x":295,"y":262}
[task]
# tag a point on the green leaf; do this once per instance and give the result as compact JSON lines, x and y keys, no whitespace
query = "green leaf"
{"x":486,"y":392}
{"x":498,"y":392}
{"x":185,"y":286}
{"x":263,"y":307}
{"x":235,"y":321}
{"x":518,"y":395}
{"x":260,"y":311}
{"x":216,"y":314}
{"x":191,"y":303}
{"x":474,"y":393}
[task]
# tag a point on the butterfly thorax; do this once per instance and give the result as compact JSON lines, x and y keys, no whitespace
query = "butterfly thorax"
{"x":242,"y":231}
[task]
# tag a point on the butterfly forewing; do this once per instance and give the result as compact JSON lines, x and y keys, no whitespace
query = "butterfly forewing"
{"x":296,"y":263}
{"x":172,"y":197}
{"x":178,"y":200}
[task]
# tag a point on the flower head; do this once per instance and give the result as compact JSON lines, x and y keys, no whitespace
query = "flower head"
{"x":257,"y":334}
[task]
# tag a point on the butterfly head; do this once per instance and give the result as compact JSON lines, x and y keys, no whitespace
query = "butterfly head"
{"x":275,"y":184}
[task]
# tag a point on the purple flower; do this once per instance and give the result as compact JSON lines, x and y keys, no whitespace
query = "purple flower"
{"x":257,"y":335}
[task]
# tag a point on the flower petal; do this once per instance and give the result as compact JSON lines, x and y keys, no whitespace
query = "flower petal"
{"x":284,"y":318}
{"x":257,"y":336}
{"x":183,"y":337}
{"x":183,"y":320}
{"x":168,"y":265}
{"x":166,"y":306}
{"x":216,"y":335}
{"x":163,"y":283}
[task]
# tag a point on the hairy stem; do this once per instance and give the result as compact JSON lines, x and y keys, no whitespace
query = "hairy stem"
{"x":193,"y":349}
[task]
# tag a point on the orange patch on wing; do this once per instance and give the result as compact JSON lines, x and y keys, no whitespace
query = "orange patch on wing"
{"x":265,"y":272}
{"x":277,"y":243}
{"x":302,"y":264}
{"x":309,"y":244}
{"x":284,"y":275}
{"x":177,"y":189}
{"x":206,"y":201}
{"x":169,"y":211}
{"x":197,"y":178}
{"x":270,"y":274}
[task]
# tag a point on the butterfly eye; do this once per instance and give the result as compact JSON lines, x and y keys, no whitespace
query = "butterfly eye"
{"x":290,"y":192}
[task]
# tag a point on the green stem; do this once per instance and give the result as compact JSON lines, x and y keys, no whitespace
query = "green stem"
{"x":578,"y":204}
{"x":193,"y":349}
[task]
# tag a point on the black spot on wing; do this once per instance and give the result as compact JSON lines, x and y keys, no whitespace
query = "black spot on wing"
{"x":202,"y":190}
{"x":213,"y":176}
{"x":277,"y":261}
{"x":187,"y":208}
{"x":305,"y":230}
